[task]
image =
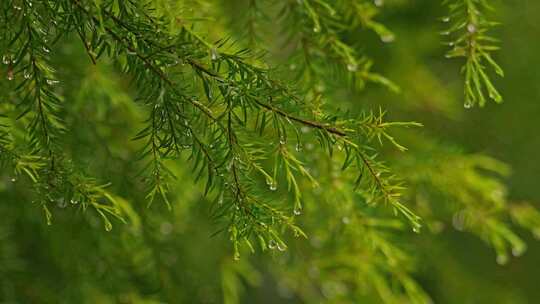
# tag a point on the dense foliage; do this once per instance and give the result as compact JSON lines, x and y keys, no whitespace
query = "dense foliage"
{"x":190,"y":151}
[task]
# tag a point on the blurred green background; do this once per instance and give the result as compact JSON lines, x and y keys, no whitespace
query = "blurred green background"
{"x":509,"y":132}
{"x":174,"y":258}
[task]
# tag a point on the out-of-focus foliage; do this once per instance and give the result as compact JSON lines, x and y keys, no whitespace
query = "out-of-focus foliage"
{"x":253,"y":151}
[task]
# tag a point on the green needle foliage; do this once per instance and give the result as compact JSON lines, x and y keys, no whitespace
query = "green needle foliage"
{"x":241,"y":118}
{"x":469,"y":28}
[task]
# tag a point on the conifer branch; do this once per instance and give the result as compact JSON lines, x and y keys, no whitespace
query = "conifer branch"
{"x":317,"y":27}
{"x":268,"y":150}
{"x":470,"y":39}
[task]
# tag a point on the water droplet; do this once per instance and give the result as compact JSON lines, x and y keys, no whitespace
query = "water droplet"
{"x":108,"y":226}
{"x":316,"y":29}
{"x":272,"y":186}
{"x":352,"y":67}
{"x":17,"y":7}
{"x":378,"y":3}
{"x":220,"y":200}
{"x":345,"y":220}
{"x":271,"y":244}
{"x":166,"y":228}
{"x":52,"y":81}
{"x":292,"y":67}
{"x":26,"y":74}
{"x":281,"y":247}
{"x":46,"y":50}
{"x":445,"y":33}
{"x":445,"y":19}
{"x":236,"y":256}
{"x":467,"y":104}
{"x":502,"y":259}
{"x":6,"y":59}
{"x":13,"y":179}
{"x":388,"y":38}
{"x":214,"y":55}
{"x":282,"y":140}
{"x":174,"y":63}
{"x":61,"y":203}
{"x":297,"y":211}
{"x":74,"y":202}
{"x":518,"y":250}
{"x":471,"y":28}
{"x":298,"y":147}
{"x":10,"y":75}
{"x":416,"y":229}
